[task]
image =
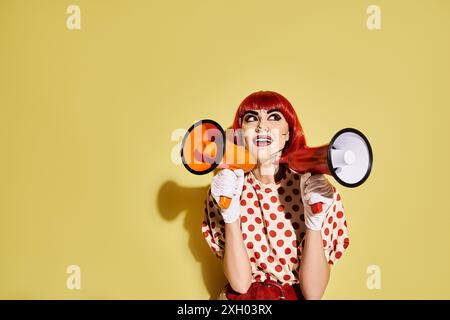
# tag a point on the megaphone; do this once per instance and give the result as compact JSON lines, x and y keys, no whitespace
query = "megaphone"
{"x":205,"y":147}
{"x":348,"y":158}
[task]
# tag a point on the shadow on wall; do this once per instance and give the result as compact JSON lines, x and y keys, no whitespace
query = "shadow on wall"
{"x":191,"y":200}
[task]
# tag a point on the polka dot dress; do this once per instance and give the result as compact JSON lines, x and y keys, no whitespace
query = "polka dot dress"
{"x":273,"y":228}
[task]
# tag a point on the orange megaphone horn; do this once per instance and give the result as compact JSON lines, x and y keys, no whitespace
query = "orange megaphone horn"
{"x":205,"y":147}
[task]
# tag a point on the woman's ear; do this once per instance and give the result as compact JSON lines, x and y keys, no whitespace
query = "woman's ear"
{"x":287,"y":136}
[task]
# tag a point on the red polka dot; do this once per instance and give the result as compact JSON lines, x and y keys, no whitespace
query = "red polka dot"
{"x":324,"y":243}
{"x":205,"y":234}
{"x":281,"y":190}
{"x":270,"y":259}
{"x":260,"y":196}
{"x":266,"y":222}
{"x":274,"y":251}
{"x":204,"y":224}
{"x":295,"y":208}
{"x":288,"y":233}
{"x":250,"y":245}
{"x":258,"y":220}
{"x":326,"y":231}
{"x":345,"y":223}
{"x":213,"y":224}
{"x":250,"y":180}
{"x":257,"y":255}
{"x":258,"y":237}
{"x":272,"y":233}
{"x":296,"y":191}
{"x":280,"y":243}
{"x":268,"y":190}
{"x":280,"y":208}
{"x":340,"y":232}
{"x":212,"y":214}
{"x":346,"y":243}
{"x":302,"y":217}
{"x":288,"y":215}
{"x":338,"y":197}
{"x":282,"y":261}
{"x":287,"y":251}
{"x":339,"y":215}
{"x":273,"y":216}
{"x":222,"y":222}
{"x":243,"y":202}
{"x":244,"y":219}
{"x":289,"y":183}
{"x":278,"y":268}
{"x":338,"y":254}
{"x":250,"y":195}
{"x":250,"y":211}
{"x":334,"y":243}
{"x":244,"y":236}
{"x":273,"y":199}
{"x":263,"y":248}
{"x":295,"y":243}
{"x":288,"y":199}
{"x":258,"y":277}
{"x":257,"y":187}
{"x":334,"y":225}
{"x":330,"y":220}
{"x":286,"y":277}
{"x":266,"y":206}
{"x":244,"y":188}
{"x":222,"y":230}
{"x":252,"y":259}
{"x":296,"y":225}
{"x":211,"y":204}
{"x":293,"y":260}
{"x":302,"y":235}
{"x":280,"y":225}
{"x":256,"y":203}
{"x":251,"y":228}
{"x":263,"y":266}
{"x":334,"y":208}
{"x":264,"y":230}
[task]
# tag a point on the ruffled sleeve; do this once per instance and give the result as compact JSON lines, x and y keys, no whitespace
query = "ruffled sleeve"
{"x":213,"y":227}
{"x":335,"y":233}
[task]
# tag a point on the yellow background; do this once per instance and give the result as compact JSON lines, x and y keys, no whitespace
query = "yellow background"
{"x":86,"y":118}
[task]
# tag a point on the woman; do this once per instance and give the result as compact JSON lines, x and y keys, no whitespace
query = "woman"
{"x":271,"y":244}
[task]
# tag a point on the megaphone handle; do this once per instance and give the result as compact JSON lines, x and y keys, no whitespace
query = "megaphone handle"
{"x":224,"y":202}
{"x":316,"y":207}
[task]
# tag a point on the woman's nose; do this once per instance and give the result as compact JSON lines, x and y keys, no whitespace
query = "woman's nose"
{"x":261,"y":127}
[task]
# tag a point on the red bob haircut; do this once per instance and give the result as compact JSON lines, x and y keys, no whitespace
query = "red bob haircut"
{"x":268,"y":100}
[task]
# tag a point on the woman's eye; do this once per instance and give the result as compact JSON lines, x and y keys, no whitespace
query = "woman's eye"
{"x":249,"y":118}
{"x":275,"y":117}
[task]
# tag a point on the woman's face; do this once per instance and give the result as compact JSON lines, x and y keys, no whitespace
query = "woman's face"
{"x":265,"y":134}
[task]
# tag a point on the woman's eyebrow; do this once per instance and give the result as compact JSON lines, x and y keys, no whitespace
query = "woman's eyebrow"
{"x":273,"y":110}
{"x":251,"y":112}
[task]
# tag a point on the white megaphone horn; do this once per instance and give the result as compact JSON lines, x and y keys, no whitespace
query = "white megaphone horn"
{"x":348,"y":158}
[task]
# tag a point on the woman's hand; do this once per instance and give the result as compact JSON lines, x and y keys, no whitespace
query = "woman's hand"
{"x":315,"y":188}
{"x":228,"y":183}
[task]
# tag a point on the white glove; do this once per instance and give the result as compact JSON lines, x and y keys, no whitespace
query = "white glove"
{"x":315,"y":188}
{"x":228,"y":183}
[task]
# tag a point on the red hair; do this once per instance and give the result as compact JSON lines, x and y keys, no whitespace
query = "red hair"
{"x":268,"y":100}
